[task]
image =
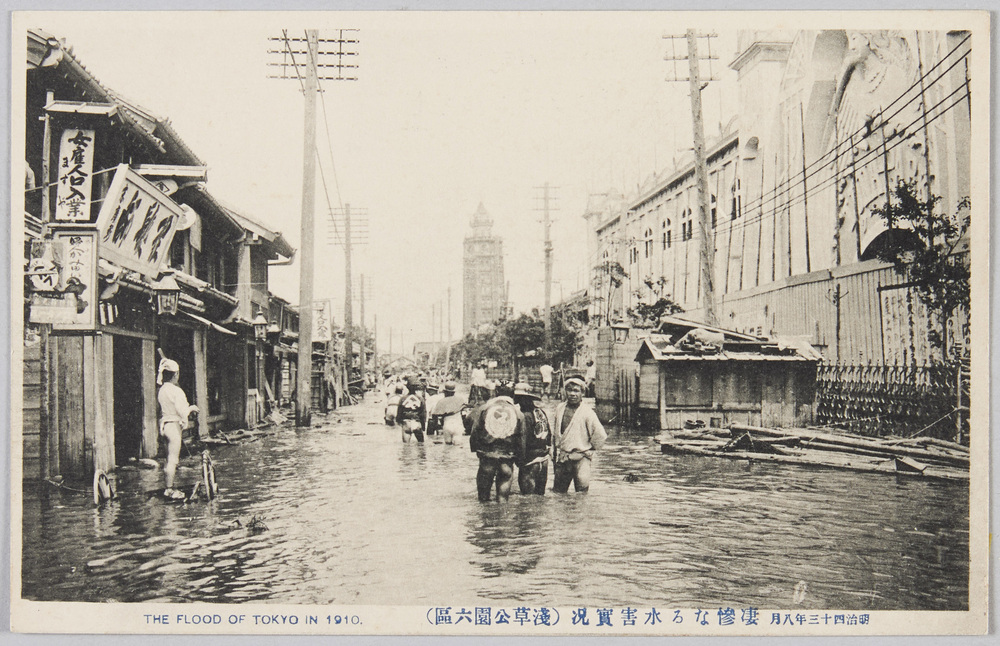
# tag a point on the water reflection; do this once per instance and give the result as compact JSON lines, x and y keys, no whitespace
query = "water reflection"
{"x":355,"y":516}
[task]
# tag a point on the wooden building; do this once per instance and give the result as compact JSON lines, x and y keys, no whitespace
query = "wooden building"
{"x":127,"y":257}
{"x":744,"y":380}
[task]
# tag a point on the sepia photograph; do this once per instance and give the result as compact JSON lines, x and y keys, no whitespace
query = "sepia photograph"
{"x":500,"y":323}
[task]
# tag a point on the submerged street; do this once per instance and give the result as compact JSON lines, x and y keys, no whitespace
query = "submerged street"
{"x":345,"y":513}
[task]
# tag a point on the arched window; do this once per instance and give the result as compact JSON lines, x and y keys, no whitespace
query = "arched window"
{"x":648,"y":242}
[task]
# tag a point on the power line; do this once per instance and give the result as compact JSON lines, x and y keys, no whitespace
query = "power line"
{"x":779,"y":190}
{"x":868,"y":158}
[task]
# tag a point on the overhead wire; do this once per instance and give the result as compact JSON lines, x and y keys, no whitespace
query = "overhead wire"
{"x":779,"y":191}
{"x":786,"y":187}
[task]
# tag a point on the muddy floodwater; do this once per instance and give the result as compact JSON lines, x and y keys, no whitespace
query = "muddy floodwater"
{"x":353,"y":516}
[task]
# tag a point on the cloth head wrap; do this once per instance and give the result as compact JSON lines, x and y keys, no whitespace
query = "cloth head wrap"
{"x":576,"y":380}
{"x":166,"y":364}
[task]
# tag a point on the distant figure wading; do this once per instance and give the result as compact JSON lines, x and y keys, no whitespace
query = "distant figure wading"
{"x":411,"y":413}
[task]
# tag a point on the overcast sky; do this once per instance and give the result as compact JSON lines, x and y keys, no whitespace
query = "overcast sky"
{"x":451,"y":109}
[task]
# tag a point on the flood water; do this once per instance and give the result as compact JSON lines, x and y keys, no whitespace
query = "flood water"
{"x":354,"y":516}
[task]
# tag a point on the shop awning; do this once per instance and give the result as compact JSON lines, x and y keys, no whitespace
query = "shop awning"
{"x":205,"y":321}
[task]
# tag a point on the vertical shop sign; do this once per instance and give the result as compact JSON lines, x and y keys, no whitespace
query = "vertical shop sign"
{"x":322,"y":322}
{"x":63,"y":280}
{"x":75,"y":175}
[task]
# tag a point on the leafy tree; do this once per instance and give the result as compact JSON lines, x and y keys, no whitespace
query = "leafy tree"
{"x":523,"y":334}
{"x":611,"y":275}
{"x":646,"y":315}
{"x":924,"y":252}
{"x":508,"y":341}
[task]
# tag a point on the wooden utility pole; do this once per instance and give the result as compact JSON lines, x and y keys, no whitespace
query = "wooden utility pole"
{"x":447,"y":353}
{"x":546,"y":197}
{"x":548,"y":271}
{"x":348,"y":296}
{"x":303,"y":408}
{"x":701,"y":176}
{"x":361,"y":341}
{"x":298,"y":58}
{"x":700,"y":166}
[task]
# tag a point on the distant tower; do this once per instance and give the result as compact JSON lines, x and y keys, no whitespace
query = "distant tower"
{"x":483,"y":292}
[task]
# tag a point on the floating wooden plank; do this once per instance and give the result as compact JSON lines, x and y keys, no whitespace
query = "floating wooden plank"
{"x":805,"y":457}
{"x":906,"y":465}
{"x":870,"y":445}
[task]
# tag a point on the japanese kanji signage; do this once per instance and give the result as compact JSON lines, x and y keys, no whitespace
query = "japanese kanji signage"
{"x":322,"y":322}
{"x":75,"y":175}
{"x":137,"y":223}
{"x":63,"y":279}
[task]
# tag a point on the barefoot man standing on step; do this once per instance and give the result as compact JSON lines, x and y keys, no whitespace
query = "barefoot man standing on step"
{"x":175,"y":412}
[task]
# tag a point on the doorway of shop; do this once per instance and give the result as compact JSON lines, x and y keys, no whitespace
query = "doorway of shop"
{"x":128,"y":401}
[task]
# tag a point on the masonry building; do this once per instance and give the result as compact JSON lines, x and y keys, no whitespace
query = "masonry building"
{"x":483,"y":294}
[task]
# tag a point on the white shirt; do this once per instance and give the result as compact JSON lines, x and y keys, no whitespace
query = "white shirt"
{"x":546,"y":371}
{"x":174,"y":406}
{"x":479,"y":377}
{"x":432,"y":402}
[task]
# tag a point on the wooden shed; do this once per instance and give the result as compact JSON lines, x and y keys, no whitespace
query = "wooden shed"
{"x":743,"y":379}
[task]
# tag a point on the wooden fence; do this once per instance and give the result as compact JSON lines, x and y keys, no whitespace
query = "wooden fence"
{"x":894,"y":400}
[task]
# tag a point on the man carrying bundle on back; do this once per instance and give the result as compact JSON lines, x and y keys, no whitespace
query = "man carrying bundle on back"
{"x":496,"y":439}
{"x":533,"y":454}
{"x":411,"y":414}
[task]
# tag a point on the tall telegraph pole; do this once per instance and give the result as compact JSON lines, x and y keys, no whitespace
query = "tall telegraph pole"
{"x":345,"y":218}
{"x":296,"y":62}
{"x":700,"y":163}
{"x":547,"y":225}
{"x":303,"y":400}
{"x":361,"y":295}
{"x":348,"y":295}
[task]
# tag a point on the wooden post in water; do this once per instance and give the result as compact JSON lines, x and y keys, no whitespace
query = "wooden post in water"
{"x":303,"y":403}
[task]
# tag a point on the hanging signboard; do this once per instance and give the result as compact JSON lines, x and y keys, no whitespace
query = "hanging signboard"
{"x":75,"y":175}
{"x":137,"y":223}
{"x":322,"y":322}
{"x":62,"y":273}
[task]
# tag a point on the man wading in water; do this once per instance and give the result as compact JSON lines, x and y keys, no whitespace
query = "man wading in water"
{"x":411,"y":414}
{"x":533,"y":456}
{"x":577,"y":434}
{"x":496,"y":439}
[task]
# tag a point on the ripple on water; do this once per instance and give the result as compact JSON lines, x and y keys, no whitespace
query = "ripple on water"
{"x":354,"y":516}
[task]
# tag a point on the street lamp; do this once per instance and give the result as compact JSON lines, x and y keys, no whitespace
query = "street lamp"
{"x":168,"y":294}
{"x":620,"y":330}
{"x":273,"y":332}
{"x":260,"y":327}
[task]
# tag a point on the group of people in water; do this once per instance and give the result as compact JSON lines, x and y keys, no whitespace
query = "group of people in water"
{"x":508,"y":428}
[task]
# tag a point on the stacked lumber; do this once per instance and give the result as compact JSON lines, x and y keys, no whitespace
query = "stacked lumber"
{"x":924,"y":457}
